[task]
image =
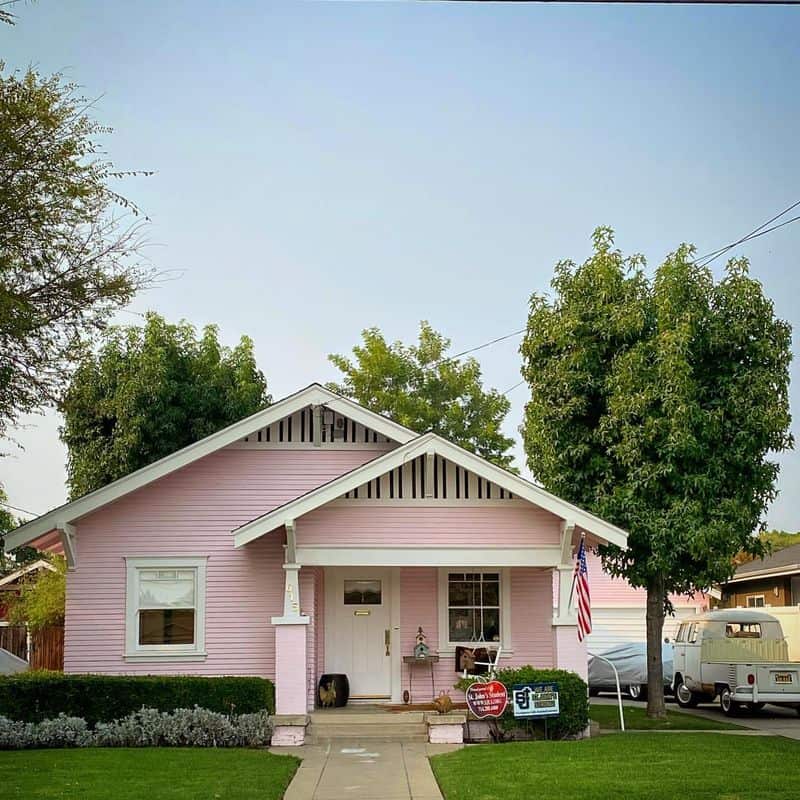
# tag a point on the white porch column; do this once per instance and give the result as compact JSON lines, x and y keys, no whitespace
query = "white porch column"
{"x":570,"y":653}
{"x":291,"y":703}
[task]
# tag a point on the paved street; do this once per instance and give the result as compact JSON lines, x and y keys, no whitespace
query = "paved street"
{"x":771,"y":719}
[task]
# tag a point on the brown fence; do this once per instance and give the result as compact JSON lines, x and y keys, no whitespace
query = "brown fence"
{"x":14,"y":639}
{"x":47,"y":649}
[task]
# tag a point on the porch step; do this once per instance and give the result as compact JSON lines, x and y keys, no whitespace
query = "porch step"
{"x":355,"y":726}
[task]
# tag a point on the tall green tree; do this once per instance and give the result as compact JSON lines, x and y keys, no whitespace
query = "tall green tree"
{"x":656,"y":403}
{"x":421,"y":388}
{"x":150,"y":391}
{"x":68,"y":246}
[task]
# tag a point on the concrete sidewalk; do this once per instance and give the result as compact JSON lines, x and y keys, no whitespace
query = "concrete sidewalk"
{"x":364,"y":771}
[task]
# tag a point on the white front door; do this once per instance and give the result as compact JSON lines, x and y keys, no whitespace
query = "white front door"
{"x":358,"y":630}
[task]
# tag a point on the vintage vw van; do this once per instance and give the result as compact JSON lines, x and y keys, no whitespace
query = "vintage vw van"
{"x":737,"y":655}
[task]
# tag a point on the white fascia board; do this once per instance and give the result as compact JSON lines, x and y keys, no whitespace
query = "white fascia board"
{"x":483,"y":557}
{"x":430,"y":442}
{"x":36,"y":565}
{"x":311,"y":395}
{"x":773,"y":572}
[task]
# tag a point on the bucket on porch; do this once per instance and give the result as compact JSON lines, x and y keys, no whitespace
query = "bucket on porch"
{"x":333,"y":690}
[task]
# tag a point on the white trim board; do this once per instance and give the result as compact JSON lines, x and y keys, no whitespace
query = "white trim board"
{"x":431,"y":443}
{"x":311,"y":395}
{"x":454,"y":557}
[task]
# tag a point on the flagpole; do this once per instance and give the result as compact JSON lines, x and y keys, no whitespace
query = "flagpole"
{"x":575,"y":574}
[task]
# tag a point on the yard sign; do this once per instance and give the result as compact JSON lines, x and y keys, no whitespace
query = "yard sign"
{"x":487,"y":699}
{"x":535,"y":700}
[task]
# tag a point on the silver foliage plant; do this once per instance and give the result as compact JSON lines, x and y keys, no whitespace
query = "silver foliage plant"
{"x":148,"y":727}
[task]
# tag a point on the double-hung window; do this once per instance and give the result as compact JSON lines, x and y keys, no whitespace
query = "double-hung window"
{"x":165,"y":607}
{"x":473,"y":607}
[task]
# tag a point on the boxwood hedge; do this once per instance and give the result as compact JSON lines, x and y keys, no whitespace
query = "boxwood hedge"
{"x":573,"y":700}
{"x":34,"y":696}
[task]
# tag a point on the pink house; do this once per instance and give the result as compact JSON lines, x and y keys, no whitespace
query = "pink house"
{"x":317,"y":537}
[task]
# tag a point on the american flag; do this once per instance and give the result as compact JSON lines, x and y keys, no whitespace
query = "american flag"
{"x":581,"y":581}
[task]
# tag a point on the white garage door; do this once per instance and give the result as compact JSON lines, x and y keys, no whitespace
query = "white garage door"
{"x":612,"y":626}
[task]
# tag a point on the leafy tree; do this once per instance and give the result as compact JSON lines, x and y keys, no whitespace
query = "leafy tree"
{"x":67,"y":261}
{"x":150,"y":391}
{"x":773,"y":541}
{"x":21,"y":555}
{"x":419,"y":387}
{"x":655,"y":403}
{"x":42,"y":597}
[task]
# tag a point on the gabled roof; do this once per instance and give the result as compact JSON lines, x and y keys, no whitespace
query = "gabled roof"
{"x":35,"y":566}
{"x":315,"y":394}
{"x":785,"y":561}
{"x":429,"y":443}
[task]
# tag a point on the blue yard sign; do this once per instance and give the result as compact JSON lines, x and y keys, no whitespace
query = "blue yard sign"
{"x":535,"y":700}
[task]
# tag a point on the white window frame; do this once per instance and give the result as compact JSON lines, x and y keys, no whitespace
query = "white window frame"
{"x":164,"y":652}
{"x":760,"y":597}
{"x":446,"y":647}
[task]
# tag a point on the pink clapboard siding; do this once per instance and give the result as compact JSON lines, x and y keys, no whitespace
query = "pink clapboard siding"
{"x":531,"y":615}
{"x":608,"y":592}
{"x":192,"y":513}
{"x":346,"y":523}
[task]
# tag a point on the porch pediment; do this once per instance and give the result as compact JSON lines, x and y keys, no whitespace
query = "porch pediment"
{"x":430,"y":471}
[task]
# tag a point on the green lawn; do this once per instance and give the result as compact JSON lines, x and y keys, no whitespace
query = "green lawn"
{"x":639,"y":766}
{"x":636,"y":719}
{"x":145,"y":774}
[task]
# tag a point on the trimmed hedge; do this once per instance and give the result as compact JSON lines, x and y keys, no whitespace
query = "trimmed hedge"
{"x":36,"y":696}
{"x":573,"y":700}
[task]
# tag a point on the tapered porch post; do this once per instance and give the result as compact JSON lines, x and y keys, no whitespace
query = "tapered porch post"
{"x":291,"y":704}
{"x":570,"y":653}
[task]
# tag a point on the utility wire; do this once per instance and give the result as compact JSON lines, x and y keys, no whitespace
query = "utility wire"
{"x":21,"y":510}
{"x":511,"y":388}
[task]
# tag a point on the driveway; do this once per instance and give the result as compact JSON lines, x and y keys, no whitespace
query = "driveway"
{"x":776,"y":720}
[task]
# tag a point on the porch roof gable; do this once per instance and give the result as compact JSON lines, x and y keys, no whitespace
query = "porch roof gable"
{"x":430,"y":443}
{"x":315,"y":394}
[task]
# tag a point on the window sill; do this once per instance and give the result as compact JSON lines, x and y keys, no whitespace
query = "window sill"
{"x":177,"y":657}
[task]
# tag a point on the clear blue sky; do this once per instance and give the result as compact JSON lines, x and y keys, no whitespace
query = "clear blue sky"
{"x":323,"y":167}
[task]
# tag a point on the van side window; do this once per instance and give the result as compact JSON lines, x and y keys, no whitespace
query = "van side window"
{"x":691,"y":635}
{"x":743,"y":630}
{"x":681,"y":631}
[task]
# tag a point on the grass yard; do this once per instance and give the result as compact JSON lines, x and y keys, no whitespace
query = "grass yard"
{"x":158,"y":773}
{"x":640,"y":766}
{"x":636,"y":719}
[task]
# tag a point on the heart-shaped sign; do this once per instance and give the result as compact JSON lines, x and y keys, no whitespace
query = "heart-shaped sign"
{"x":487,"y":699}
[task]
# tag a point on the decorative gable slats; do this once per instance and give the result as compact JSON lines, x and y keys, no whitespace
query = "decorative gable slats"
{"x":408,"y":482}
{"x":335,"y":430}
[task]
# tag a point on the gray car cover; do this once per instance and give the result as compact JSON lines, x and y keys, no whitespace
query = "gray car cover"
{"x":9,"y":663}
{"x":630,"y":659}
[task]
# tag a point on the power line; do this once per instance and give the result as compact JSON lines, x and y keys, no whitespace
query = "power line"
{"x":754,"y":234}
{"x":479,"y":347}
{"x":21,"y":510}
{"x":511,"y":388}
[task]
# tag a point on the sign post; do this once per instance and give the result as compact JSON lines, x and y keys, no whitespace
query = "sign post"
{"x":535,"y":701}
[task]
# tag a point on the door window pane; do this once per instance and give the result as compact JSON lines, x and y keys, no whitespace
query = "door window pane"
{"x":362,"y":593}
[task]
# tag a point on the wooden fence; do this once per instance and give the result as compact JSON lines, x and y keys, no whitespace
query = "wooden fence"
{"x":14,"y":638}
{"x":47,"y":649}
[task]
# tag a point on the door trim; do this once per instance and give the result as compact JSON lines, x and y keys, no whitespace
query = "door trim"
{"x":330,"y":575}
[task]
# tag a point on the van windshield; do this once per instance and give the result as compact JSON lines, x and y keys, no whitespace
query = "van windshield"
{"x":743,"y":630}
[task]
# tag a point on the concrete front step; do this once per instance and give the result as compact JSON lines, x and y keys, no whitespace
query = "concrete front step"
{"x":353,"y":725}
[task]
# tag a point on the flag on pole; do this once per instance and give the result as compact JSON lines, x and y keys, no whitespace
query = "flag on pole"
{"x":581,"y":581}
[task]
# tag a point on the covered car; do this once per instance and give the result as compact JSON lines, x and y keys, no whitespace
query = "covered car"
{"x":11,"y":664}
{"x":630,"y":659}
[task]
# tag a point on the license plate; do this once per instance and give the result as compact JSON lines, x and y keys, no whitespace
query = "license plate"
{"x":782,"y":677}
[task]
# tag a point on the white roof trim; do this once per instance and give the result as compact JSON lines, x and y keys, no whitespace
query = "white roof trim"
{"x":770,"y":572}
{"x":314,"y":394}
{"x":32,"y":567}
{"x":429,"y":443}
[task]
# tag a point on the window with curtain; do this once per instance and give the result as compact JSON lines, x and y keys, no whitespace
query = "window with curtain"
{"x":166,"y":606}
{"x":473,"y":607}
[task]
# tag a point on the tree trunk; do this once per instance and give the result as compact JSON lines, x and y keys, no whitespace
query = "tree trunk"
{"x":655,"y":629}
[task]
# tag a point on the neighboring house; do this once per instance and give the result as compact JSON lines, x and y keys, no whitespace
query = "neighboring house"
{"x":11,"y":584}
{"x":619,"y":610}
{"x":317,"y":537}
{"x":772,"y":581}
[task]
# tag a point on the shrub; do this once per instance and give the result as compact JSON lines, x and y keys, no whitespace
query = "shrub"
{"x":35,"y":696}
{"x":573,"y":700}
{"x":147,"y":727}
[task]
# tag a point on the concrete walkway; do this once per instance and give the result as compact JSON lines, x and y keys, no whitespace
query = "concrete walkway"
{"x":772,"y":720}
{"x":364,"y":771}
